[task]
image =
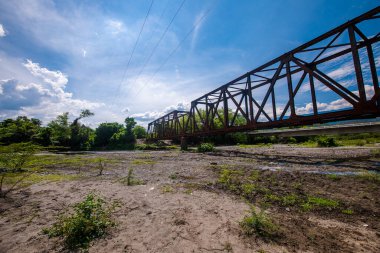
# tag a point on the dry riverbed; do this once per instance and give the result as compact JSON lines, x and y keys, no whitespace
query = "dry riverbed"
{"x":320,"y":199}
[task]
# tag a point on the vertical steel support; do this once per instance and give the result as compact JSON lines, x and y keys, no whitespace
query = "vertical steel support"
{"x":252,"y":119}
{"x":274,"y":105}
{"x":357,"y":65}
{"x":313,"y":96}
{"x":206,"y":125}
{"x":225,"y":104}
{"x":375,"y":79}
{"x":290,"y":90}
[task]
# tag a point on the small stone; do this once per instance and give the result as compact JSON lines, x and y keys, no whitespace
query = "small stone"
{"x":287,"y":209}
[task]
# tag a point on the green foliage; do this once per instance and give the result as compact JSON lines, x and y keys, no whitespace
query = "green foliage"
{"x":239,"y":138}
{"x":154,"y":147}
{"x":14,"y":156}
{"x":91,"y":219}
{"x":105,"y":131}
{"x":230,"y":179}
{"x":139,"y":132}
{"x":115,"y":135}
{"x":370,"y":176}
{"x":130,"y":179}
{"x":81,"y":136}
{"x":289,"y":200}
{"x":130,"y":123}
{"x":143,"y":162}
{"x":348,"y":211}
{"x":19,"y":130}
{"x":60,"y":130}
{"x":248,"y":189}
{"x":167,"y":189}
{"x":318,"y":202}
{"x":259,"y":224}
{"x":205,"y":147}
{"x":334,"y":177}
{"x":327,"y":142}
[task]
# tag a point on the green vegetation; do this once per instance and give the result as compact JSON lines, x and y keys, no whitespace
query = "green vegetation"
{"x":259,"y":224}
{"x":91,"y":219}
{"x":130,"y":179}
{"x":143,"y":162}
{"x":370,"y":176}
{"x":139,"y":132}
{"x":334,"y":177}
{"x":154,"y":147}
{"x":255,"y":187}
{"x":62,"y":134}
{"x":348,"y":211}
{"x":205,"y":147}
{"x":173,"y":176}
{"x":318,"y":202}
{"x":167,"y":189}
{"x":327,"y":142}
{"x":12,"y":160}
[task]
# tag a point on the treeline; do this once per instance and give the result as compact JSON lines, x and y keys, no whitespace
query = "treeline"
{"x":61,"y":133}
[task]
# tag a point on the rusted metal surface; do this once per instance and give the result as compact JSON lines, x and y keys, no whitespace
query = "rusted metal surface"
{"x":266,"y":96}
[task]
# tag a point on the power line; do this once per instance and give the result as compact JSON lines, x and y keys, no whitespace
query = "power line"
{"x":176,"y":48}
{"x":156,"y":28}
{"x":159,"y":41}
{"x":134,"y":47}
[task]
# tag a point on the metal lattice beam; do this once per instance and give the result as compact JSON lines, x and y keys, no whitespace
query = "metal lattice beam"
{"x":251,"y":101}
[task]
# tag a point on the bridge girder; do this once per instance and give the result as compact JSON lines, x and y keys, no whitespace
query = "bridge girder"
{"x":257,"y":100}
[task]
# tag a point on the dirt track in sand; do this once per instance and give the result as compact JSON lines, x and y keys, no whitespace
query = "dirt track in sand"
{"x":181,"y":209}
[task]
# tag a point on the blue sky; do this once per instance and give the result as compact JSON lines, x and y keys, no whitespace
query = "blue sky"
{"x":58,"y":56}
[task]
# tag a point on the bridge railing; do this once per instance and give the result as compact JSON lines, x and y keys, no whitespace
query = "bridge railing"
{"x":293,"y":89}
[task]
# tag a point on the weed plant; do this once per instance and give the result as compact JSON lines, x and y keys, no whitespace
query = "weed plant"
{"x":91,"y":219}
{"x":259,"y":224}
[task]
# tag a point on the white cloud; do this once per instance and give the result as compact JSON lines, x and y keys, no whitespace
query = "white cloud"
{"x":149,"y":116}
{"x":44,"y":98}
{"x":115,"y":26}
{"x":95,"y":47}
{"x":198,"y":22}
{"x":56,"y":79}
{"x":333,"y":105}
{"x":2,"y":31}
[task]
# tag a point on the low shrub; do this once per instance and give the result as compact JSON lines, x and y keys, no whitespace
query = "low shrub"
{"x":259,"y":224}
{"x":327,"y":142}
{"x":12,"y":161}
{"x":205,"y":147}
{"x":91,"y":219}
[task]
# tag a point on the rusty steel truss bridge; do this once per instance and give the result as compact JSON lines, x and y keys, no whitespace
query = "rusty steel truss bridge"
{"x":293,"y":89}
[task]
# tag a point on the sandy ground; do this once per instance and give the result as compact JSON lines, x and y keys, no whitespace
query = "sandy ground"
{"x":180,"y":209}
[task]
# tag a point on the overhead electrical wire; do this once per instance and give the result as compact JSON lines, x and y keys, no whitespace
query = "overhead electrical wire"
{"x":159,"y":41}
{"x":176,"y":48}
{"x":134,"y":47}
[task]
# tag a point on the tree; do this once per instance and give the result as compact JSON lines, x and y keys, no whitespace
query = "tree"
{"x":139,"y":132}
{"x":80,"y":134}
{"x":130,"y":123}
{"x":19,"y":130}
{"x":60,"y":130}
{"x":105,"y":131}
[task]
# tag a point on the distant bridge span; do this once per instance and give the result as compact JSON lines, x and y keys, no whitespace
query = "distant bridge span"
{"x":333,"y":77}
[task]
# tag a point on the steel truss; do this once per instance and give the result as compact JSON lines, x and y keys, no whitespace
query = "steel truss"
{"x":249,"y":101}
